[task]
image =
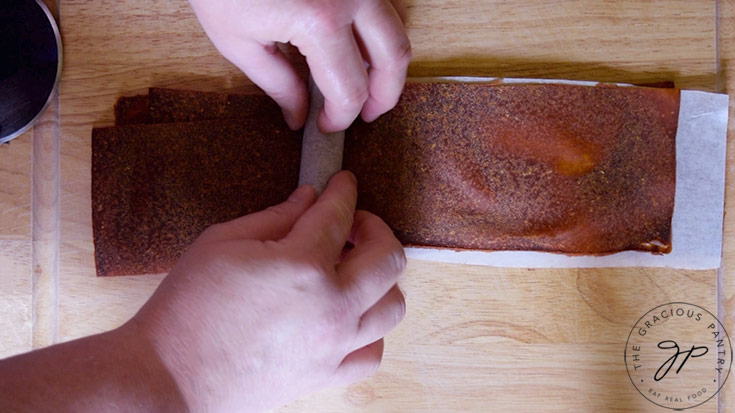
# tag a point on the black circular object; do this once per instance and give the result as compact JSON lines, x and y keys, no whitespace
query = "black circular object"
{"x":30,"y":64}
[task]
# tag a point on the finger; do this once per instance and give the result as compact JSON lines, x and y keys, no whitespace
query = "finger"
{"x":272,"y":223}
{"x":323,"y":230}
{"x":388,"y":51}
{"x":359,"y":364}
{"x":401,"y":9}
{"x":268,"y":68}
{"x":338,"y":69}
{"x":381,"y":318}
{"x":372,"y":267}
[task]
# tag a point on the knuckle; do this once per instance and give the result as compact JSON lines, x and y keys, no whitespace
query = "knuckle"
{"x":284,"y":90}
{"x":344,"y":214}
{"x":309,"y":270}
{"x":400,"y":57}
{"x":212,"y":231}
{"x":276,"y":211}
{"x":321,"y":16}
{"x":335,"y":324}
{"x":397,"y":260}
{"x":403,"y":54}
{"x":351,"y":100}
{"x":332,"y":322}
{"x":327,"y":333}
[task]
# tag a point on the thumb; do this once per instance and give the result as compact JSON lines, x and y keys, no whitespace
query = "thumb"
{"x":272,"y":223}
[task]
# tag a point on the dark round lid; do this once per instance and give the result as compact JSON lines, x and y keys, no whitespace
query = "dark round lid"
{"x":30,"y":64}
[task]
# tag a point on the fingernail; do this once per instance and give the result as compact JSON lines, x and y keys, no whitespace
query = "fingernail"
{"x":301,"y":194}
{"x":353,"y":178}
{"x":323,"y":123}
{"x":290,"y":121}
{"x":369,"y":118}
{"x":321,"y":129}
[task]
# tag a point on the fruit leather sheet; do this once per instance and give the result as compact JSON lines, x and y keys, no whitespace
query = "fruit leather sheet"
{"x":156,"y":187}
{"x":693,"y":236}
{"x":696,"y":226}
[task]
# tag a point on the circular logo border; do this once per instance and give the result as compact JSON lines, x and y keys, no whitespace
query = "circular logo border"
{"x":625,"y":355}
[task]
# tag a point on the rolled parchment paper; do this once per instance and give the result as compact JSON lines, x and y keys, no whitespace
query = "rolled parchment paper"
{"x":321,"y":153}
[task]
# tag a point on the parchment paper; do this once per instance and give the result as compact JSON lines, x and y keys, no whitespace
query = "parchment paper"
{"x":321,"y":153}
{"x":699,"y":202}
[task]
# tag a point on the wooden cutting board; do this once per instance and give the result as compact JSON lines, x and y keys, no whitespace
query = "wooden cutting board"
{"x":475,"y":338}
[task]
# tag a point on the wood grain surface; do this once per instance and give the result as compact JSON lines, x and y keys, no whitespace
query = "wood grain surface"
{"x":475,"y":338}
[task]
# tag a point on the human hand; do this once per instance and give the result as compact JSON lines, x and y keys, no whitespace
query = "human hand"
{"x":267,"y":307}
{"x":337,"y":37}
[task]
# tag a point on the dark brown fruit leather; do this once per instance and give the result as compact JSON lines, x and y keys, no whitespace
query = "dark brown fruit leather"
{"x":547,"y":167}
{"x":559,"y":168}
{"x":156,"y":187}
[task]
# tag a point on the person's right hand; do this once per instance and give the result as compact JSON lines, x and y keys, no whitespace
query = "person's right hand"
{"x":268,"y":307}
{"x":338,"y":38}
